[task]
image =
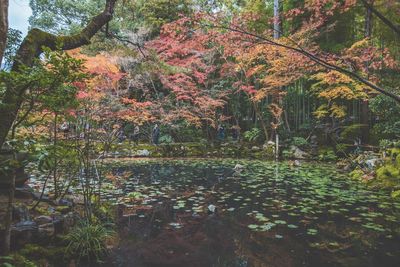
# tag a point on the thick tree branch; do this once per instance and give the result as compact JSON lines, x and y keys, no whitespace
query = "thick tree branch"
{"x":381,"y":17}
{"x":31,"y":48}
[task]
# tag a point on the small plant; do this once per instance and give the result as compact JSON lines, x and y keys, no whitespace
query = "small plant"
{"x":252,"y":135}
{"x":385,"y":144}
{"x":327,"y":155}
{"x":299,"y":142}
{"x":15,"y":260}
{"x":88,"y":242}
{"x":166,"y":139}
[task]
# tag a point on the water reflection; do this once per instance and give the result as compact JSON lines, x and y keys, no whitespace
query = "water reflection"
{"x":267,"y":214}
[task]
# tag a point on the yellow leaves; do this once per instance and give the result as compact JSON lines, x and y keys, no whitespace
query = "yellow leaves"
{"x":334,"y":85}
{"x":342,"y":91}
{"x":335,"y":111}
{"x":331,"y":78}
{"x":338,"y":111}
{"x":321,"y":112}
{"x":357,"y":45}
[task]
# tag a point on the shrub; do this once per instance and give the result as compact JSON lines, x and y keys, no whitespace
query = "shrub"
{"x":166,"y":139}
{"x":352,"y":132}
{"x":88,"y":242}
{"x":327,"y":155}
{"x":299,"y":142}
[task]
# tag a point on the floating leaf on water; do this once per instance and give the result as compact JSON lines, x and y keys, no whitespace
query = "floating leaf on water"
{"x":252,"y":226}
{"x":312,"y":231}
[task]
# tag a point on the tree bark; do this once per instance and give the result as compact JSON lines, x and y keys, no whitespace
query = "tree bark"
{"x":31,"y":48}
{"x":3,"y":27}
{"x":277,"y":19}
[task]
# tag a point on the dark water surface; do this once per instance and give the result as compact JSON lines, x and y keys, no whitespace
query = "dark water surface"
{"x":266,"y":214}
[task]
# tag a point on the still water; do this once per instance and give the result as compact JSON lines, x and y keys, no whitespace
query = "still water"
{"x":237,"y":213}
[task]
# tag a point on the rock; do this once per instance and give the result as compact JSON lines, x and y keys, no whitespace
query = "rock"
{"x":24,"y":192}
{"x":23,"y":233}
{"x":43,"y":220}
{"x":269,"y":144}
{"x":298,"y":153}
{"x":212,"y":208}
{"x":21,"y":213}
{"x":255,"y":148}
{"x":25,"y":226}
{"x":372,"y":163}
{"x":143,"y":153}
{"x":45,"y":198}
{"x":238,"y":167}
{"x":63,"y":209}
{"x":297,"y":163}
{"x":46,"y":230}
{"x":69,"y":221}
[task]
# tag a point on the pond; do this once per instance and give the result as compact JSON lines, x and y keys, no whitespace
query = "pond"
{"x":240,"y":213}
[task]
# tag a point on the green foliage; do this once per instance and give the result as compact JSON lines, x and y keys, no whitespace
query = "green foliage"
{"x":389,"y":175}
{"x":388,"y":112}
{"x":385,"y":144}
{"x":166,"y":139}
{"x":58,"y":155}
{"x":356,"y":174}
{"x":156,"y":13}
{"x":252,"y":135}
{"x":341,"y":148}
{"x":15,"y":260}
{"x":327,"y":155}
{"x":63,"y":16}
{"x":37,"y":253}
{"x":14,"y":38}
{"x":88,"y":242}
{"x":351,"y":132}
{"x":50,"y":81}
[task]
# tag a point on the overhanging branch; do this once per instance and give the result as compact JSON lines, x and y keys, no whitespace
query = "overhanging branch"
{"x":313,"y":57}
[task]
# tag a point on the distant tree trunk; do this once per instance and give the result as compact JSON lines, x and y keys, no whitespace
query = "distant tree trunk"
{"x":31,"y":48}
{"x":368,"y":20}
{"x":3,"y":27}
{"x":364,"y":118}
{"x":260,"y":118}
{"x":277,"y":19}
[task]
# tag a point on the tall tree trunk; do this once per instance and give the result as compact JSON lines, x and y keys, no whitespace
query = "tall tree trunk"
{"x":277,"y":19}
{"x":3,"y":27}
{"x":277,"y":35}
{"x":364,"y":117}
{"x":31,"y":48}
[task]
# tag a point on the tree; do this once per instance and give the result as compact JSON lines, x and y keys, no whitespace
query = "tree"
{"x":31,"y":48}
{"x":3,"y":27}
